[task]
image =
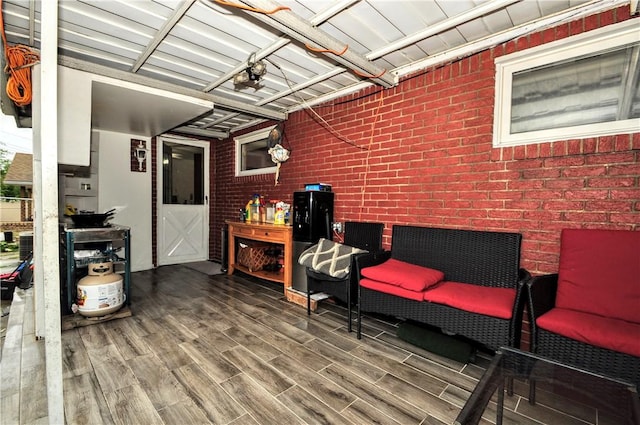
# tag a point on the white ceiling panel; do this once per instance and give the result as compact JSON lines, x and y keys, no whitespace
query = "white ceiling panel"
{"x":197,"y":46}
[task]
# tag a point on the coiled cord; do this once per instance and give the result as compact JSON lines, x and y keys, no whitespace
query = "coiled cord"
{"x":19,"y":60}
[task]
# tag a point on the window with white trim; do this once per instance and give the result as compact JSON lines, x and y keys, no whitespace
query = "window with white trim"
{"x":252,"y":154}
{"x":581,"y":86}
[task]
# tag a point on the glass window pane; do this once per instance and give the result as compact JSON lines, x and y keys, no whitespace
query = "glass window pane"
{"x":255,"y":155}
{"x":183,"y":172}
{"x":252,"y":153}
{"x":579,"y":91}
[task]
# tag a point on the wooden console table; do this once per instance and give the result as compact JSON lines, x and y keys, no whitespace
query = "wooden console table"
{"x":264,"y":232}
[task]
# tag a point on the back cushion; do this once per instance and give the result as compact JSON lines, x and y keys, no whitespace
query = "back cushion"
{"x":599,"y":272}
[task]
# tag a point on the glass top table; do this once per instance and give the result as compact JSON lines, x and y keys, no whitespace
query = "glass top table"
{"x":509,"y":363}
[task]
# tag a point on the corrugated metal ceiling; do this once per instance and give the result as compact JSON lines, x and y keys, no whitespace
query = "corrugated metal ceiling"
{"x":199,"y":46}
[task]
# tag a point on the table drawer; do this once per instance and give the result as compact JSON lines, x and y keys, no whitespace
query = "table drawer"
{"x":247,"y":231}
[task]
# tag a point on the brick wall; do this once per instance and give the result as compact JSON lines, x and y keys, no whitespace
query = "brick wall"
{"x":421,"y":153}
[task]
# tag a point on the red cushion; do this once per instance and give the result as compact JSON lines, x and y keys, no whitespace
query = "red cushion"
{"x":494,"y":302}
{"x":599,"y":272}
{"x":406,"y":275}
{"x":614,"y":334}
{"x":391,"y":289}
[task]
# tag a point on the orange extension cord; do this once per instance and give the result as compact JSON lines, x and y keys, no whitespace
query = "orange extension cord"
{"x":19,"y":61}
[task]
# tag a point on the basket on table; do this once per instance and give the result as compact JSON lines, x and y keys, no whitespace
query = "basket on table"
{"x":255,"y":256}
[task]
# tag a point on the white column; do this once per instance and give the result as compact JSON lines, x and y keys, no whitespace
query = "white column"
{"x":49,"y":196}
{"x":39,"y":269}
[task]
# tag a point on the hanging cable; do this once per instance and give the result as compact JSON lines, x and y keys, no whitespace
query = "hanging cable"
{"x":315,"y":115}
{"x":320,"y":50}
{"x":251,"y":9}
{"x":376,"y":114}
{"x":19,"y":60}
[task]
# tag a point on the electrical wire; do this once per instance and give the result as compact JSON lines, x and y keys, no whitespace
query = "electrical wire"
{"x":19,"y":59}
{"x":251,"y":9}
{"x":314,"y":114}
{"x":345,"y":139}
{"x":321,"y":50}
{"x":366,"y":160}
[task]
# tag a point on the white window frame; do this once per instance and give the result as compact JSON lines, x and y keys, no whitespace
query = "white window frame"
{"x":571,"y":47}
{"x":254,"y":136}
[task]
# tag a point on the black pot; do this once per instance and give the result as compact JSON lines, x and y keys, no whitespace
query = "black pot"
{"x":86,"y":220}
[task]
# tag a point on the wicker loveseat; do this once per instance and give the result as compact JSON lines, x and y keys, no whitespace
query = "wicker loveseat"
{"x":465,"y":282}
{"x":588,"y":314}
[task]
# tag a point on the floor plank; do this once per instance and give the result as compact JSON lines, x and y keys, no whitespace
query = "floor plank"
{"x":393,"y":406}
{"x":157,"y":381}
{"x":216,"y":404}
{"x":84,"y":402}
{"x":130,"y":405}
{"x":259,"y":402}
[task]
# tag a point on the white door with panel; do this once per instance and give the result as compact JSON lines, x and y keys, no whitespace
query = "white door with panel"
{"x":183,"y":200}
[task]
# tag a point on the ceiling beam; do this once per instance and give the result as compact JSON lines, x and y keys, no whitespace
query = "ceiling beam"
{"x":162,"y":33}
{"x":195,"y":131}
{"x":301,"y":30}
{"x":162,"y":85}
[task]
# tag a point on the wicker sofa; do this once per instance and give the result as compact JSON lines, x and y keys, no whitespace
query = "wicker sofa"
{"x":588,"y":314}
{"x":473,"y":283}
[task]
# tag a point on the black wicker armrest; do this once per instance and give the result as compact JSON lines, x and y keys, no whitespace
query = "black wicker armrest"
{"x":523,"y":277}
{"x":518,"y":308}
{"x":542,"y":298}
{"x":370,"y":259}
{"x":542,"y":294}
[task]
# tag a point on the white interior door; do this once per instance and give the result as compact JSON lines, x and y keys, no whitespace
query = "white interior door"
{"x":183,"y":200}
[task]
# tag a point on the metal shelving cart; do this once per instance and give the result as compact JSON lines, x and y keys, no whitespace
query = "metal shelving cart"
{"x":82,"y":246}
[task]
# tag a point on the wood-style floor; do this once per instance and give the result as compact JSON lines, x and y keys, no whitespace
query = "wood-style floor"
{"x":202,"y":349}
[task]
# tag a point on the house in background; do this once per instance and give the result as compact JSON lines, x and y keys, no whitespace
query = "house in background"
{"x":420,"y":150}
{"x":20,"y":173}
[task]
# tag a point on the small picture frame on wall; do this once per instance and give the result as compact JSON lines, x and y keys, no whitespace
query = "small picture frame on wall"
{"x":139,"y":155}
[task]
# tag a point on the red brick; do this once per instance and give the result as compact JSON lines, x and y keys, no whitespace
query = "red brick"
{"x":584,"y":217}
{"x":542,"y":215}
{"x":564,"y":184}
{"x":624,"y":170}
{"x":563,"y":205}
{"x":619,"y":206}
{"x":571,"y":172}
{"x":576,"y":27}
{"x":586,"y":194}
{"x":631,"y":194}
{"x":613,"y":158}
{"x":609,"y":182}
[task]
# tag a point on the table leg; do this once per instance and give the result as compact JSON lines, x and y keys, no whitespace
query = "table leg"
{"x":500,"y":407}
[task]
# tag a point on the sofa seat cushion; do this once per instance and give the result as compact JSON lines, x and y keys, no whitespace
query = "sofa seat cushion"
{"x":598,"y":273}
{"x":391,"y":289}
{"x":405,"y":275}
{"x":488,"y":301}
{"x":613,"y":334}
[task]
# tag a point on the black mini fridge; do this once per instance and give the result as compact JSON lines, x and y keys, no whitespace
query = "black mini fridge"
{"x":312,"y":219}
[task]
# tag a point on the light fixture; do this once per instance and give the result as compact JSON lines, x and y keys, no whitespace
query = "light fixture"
{"x":252,"y":73}
{"x":140,"y":154}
